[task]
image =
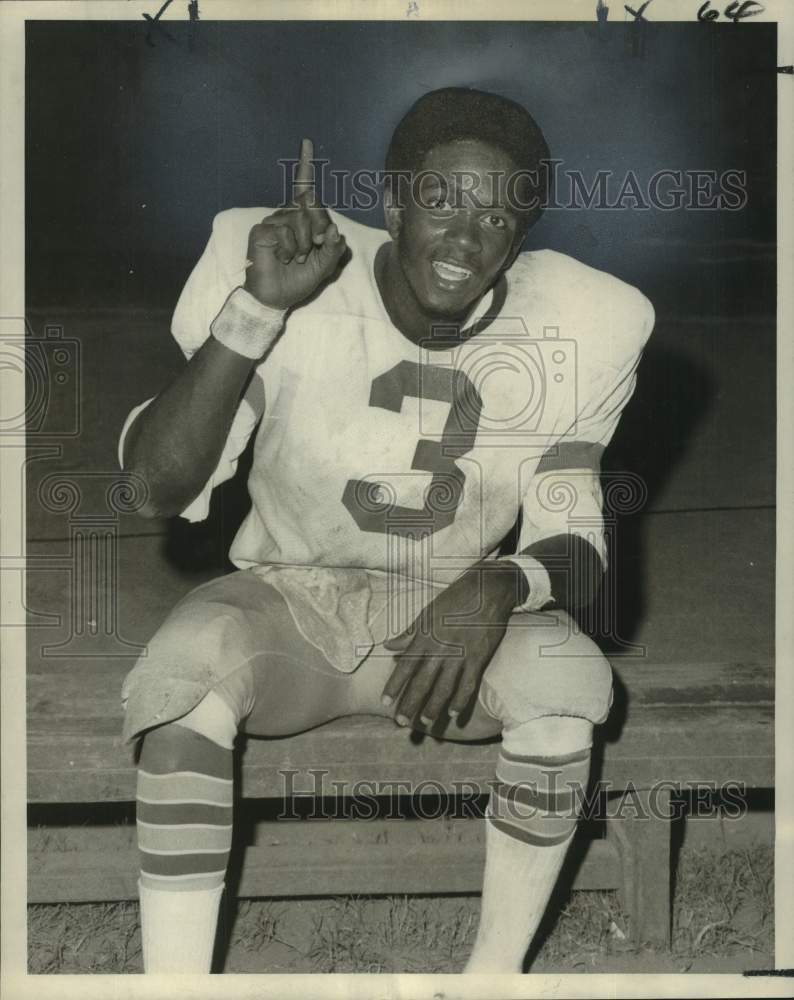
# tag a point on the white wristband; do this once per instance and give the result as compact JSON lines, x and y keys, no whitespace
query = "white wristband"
{"x":246,"y":326}
{"x":537,"y":577}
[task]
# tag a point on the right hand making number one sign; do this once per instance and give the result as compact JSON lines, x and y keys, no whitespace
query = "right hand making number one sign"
{"x":294,"y":250}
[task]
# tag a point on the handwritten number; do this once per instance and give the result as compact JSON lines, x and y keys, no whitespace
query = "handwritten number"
{"x":705,"y":14}
{"x":735,"y":11}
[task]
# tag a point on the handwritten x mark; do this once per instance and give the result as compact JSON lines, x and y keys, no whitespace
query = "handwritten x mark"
{"x":637,"y":14}
{"x":155,"y":22}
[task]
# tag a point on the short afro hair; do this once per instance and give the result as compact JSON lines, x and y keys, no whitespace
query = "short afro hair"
{"x":452,"y":114}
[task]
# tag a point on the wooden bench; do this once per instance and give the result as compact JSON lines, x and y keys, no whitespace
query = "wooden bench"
{"x":673,"y":726}
{"x":694,"y":585}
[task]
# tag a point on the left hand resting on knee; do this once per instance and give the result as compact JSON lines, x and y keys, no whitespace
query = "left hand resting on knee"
{"x":442,"y":655}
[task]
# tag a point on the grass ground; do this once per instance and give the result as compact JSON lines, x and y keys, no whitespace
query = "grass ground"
{"x":722,"y":921}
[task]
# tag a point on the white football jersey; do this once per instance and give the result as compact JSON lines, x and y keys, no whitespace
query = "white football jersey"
{"x":373,"y":452}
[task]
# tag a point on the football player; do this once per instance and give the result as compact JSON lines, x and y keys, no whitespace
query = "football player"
{"x":413,"y":394}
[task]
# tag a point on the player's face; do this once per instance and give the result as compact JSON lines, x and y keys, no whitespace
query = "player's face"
{"x":457,"y":230}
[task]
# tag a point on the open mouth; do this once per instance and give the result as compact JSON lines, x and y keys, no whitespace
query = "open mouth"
{"x":452,"y":274}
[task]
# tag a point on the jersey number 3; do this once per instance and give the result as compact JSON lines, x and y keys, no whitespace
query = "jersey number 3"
{"x":368,"y":502}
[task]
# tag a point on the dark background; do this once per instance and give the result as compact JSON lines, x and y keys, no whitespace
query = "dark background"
{"x":132,"y":147}
{"x":135,"y":141}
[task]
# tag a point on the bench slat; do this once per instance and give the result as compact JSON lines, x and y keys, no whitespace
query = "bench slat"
{"x":346,"y":856}
{"x":683,"y":744}
{"x":63,"y":689}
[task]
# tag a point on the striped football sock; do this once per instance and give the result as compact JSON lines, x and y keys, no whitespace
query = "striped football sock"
{"x":536,"y":799}
{"x":184,"y":822}
{"x":530,"y":822}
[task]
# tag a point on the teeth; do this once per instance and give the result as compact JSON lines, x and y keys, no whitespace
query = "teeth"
{"x":450,"y":272}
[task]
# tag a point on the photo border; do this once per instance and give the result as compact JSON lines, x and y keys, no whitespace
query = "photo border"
{"x":15,"y":982}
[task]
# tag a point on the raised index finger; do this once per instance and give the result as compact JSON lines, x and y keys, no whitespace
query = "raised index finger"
{"x":303,"y":187}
